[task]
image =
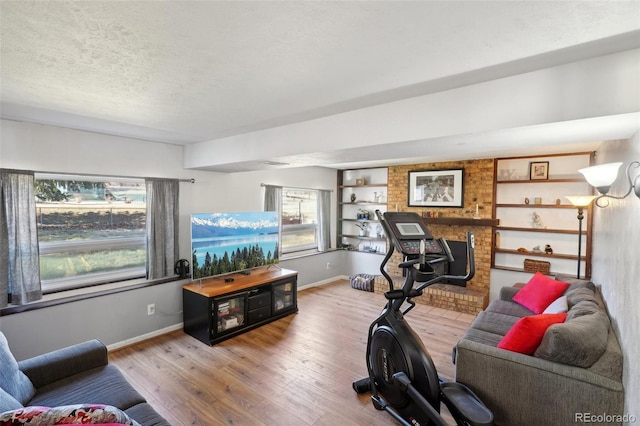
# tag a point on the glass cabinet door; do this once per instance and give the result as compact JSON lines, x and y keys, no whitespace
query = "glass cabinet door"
{"x":283,"y":297}
{"x":229,"y":312}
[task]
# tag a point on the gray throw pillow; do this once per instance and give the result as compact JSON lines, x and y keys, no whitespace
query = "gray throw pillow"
{"x":579,"y":295}
{"x":586,"y":307}
{"x":13,"y":381}
{"x":576,"y":282}
{"x":579,"y":342}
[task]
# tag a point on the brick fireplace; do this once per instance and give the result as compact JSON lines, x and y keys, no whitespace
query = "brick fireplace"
{"x":452,"y":224}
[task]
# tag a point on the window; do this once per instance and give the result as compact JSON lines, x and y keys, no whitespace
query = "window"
{"x":299,"y":219}
{"x":90,"y":229}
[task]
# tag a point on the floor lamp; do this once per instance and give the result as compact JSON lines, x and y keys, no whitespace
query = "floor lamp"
{"x":580,"y":201}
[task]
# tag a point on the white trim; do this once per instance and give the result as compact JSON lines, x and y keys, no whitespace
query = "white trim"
{"x":323,"y":282}
{"x":140,"y":338}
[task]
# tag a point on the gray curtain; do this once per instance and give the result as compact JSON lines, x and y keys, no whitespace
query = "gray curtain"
{"x":324,"y":220}
{"x":272,"y":199}
{"x":273,"y":203}
{"x":19,"y":254}
{"x":162,"y":226}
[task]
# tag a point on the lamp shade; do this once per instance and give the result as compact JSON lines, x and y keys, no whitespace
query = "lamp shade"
{"x":580,"y":200}
{"x":601,"y":176}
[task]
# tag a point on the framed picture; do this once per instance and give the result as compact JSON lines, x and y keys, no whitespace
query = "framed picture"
{"x":436,"y":188}
{"x":539,"y":170}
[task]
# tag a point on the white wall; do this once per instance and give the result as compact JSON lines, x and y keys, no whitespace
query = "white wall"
{"x":616,"y":264}
{"x":122,"y":316}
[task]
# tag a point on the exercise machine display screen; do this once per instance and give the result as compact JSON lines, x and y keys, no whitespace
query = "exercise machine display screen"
{"x":409,"y":231}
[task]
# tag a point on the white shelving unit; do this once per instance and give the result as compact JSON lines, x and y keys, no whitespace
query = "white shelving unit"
{"x":519,"y":199}
{"x":361,"y":192}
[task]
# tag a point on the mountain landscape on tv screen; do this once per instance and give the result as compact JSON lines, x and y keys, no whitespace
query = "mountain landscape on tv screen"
{"x":222,"y":243}
{"x":230,"y":224}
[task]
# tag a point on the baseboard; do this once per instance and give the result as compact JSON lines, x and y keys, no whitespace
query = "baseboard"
{"x":142,"y":337}
{"x":323,"y":282}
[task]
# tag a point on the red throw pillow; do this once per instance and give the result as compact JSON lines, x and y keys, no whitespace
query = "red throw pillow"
{"x":527,"y":333}
{"x":539,"y":292}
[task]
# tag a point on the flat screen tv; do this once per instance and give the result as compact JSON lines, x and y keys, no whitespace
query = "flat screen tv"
{"x":223,"y":243}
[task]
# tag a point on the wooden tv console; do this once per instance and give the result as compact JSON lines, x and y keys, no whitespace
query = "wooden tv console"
{"x":218,"y":308}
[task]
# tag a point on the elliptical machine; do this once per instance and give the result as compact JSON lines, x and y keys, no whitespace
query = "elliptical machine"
{"x":403,"y":380}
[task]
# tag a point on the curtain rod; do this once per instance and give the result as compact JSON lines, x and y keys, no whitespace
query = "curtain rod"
{"x":295,"y":187}
{"x":190,"y":180}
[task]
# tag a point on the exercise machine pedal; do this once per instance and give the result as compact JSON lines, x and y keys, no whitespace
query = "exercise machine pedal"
{"x":463,"y":403}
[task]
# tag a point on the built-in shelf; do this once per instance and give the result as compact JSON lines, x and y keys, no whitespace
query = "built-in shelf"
{"x":367,"y":185}
{"x":538,"y":206}
{"x":543,"y":181}
{"x":515,"y":203}
{"x":363,"y":237}
{"x":362,"y":203}
{"x":507,"y":268}
{"x":359,"y":220}
{"x":461,"y":221}
{"x":539,"y":254}
{"x":361,"y":191}
{"x":543,"y":230}
{"x":367,"y":252}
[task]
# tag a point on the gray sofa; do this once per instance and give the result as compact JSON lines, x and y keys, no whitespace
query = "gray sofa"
{"x":574,"y":376}
{"x":78,"y":374}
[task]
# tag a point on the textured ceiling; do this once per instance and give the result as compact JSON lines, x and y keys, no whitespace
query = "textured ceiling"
{"x":192,"y":71}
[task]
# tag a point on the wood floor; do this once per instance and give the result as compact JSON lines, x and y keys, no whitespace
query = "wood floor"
{"x":295,"y":371}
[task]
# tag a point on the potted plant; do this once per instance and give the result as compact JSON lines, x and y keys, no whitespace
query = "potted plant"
{"x":362,"y":225}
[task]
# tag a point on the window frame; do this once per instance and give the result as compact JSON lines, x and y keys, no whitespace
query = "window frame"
{"x":90,"y":279}
{"x":298,"y":226}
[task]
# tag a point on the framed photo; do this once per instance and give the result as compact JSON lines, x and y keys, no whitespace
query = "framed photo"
{"x":436,"y":188}
{"x":539,"y":170}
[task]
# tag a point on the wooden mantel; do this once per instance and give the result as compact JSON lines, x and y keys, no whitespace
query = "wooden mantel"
{"x":461,"y":221}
